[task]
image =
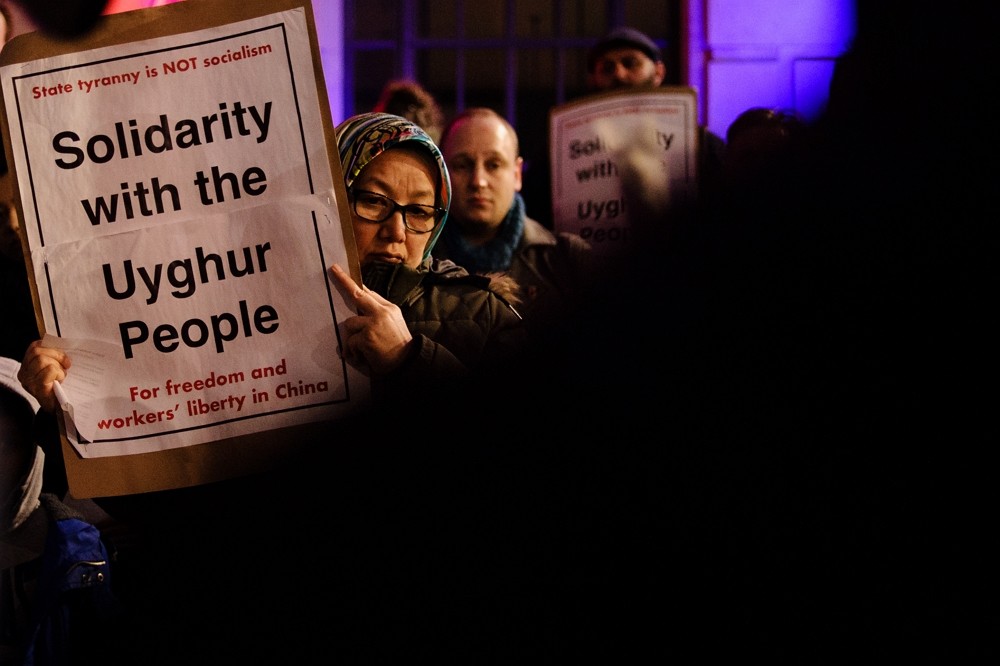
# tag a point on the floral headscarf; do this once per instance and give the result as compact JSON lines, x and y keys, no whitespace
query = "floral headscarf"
{"x":362,"y":138}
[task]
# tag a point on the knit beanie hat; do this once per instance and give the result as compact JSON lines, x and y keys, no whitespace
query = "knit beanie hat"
{"x":623,"y":37}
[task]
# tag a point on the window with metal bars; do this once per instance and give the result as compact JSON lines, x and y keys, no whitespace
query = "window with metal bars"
{"x":519,"y":57}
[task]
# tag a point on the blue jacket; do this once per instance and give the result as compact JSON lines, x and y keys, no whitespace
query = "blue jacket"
{"x":73,"y":605}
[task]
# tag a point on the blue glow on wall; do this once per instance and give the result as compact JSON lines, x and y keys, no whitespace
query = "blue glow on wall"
{"x":770,"y":53}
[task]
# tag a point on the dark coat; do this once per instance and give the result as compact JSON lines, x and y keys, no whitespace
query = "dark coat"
{"x":462,"y":322}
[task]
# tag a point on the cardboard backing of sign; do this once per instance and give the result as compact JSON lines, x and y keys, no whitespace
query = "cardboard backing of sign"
{"x":189,"y":465}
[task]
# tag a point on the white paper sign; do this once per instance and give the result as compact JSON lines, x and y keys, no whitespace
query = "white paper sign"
{"x":649,"y":135}
{"x":181,"y":215}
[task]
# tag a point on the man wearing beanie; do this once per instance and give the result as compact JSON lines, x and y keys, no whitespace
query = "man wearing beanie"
{"x":624,"y":58}
{"x":627,"y":58}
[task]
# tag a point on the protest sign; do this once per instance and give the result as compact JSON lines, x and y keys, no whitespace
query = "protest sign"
{"x":181,"y":200}
{"x":648,"y":135}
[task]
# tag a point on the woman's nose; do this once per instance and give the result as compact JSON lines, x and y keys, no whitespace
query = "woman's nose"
{"x":393,"y":228}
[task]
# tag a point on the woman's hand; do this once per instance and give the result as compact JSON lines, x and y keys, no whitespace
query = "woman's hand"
{"x":41,"y":368}
{"x":377,"y":339}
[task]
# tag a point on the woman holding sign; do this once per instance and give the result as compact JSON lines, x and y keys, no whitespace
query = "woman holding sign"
{"x":418,"y":318}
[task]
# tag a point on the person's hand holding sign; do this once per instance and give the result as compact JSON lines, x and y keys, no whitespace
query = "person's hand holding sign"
{"x":41,"y":368}
{"x":377,"y":338}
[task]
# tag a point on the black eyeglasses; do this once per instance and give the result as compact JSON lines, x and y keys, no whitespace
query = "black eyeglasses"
{"x":374,"y":207}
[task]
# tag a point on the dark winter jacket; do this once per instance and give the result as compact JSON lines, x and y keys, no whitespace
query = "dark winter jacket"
{"x":551,"y":270}
{"x":462,"y":322}
{"x":69,"y":613}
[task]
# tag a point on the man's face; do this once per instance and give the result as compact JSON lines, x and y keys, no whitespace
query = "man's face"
{"x":625,"y":67}
{"x":485,"y":173}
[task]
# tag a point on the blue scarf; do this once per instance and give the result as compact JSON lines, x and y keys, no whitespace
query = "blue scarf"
{"x":495,"y":255}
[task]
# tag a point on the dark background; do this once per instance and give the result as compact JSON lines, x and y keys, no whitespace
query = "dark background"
{"x":768,"y":438}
